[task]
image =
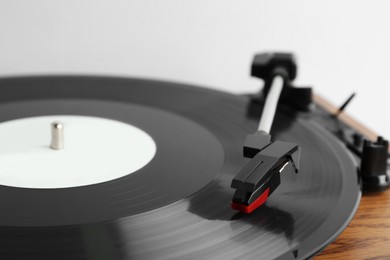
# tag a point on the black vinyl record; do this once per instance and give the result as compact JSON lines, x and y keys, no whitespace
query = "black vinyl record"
{"x":178,"y":205}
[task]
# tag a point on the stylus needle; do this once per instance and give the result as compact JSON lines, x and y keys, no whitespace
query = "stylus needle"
{"x":261,"y":176}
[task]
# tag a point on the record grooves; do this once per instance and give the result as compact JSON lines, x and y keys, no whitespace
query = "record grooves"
{"x":177,"y":206}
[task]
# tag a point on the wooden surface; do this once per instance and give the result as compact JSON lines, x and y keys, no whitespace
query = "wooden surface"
{"x":368,"y":234}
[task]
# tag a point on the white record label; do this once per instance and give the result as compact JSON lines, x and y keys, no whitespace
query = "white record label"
{"x":95,"y":150}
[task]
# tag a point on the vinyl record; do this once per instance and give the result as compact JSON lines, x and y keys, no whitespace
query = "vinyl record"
{"x":178,"y":205}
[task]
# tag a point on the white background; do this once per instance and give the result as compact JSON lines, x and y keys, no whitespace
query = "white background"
{"x":342,"y":46}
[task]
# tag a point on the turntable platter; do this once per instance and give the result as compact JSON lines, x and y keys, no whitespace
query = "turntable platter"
{"x":178,"y":205}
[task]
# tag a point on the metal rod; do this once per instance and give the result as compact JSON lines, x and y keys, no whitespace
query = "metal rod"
{"x":271,"y":103}
{"x":57,"y":136}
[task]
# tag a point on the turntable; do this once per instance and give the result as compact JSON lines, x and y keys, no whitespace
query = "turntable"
{"x":120,"y":168}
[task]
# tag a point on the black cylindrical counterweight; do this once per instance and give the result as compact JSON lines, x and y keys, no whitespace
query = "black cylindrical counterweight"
{"x":374,"y":165}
